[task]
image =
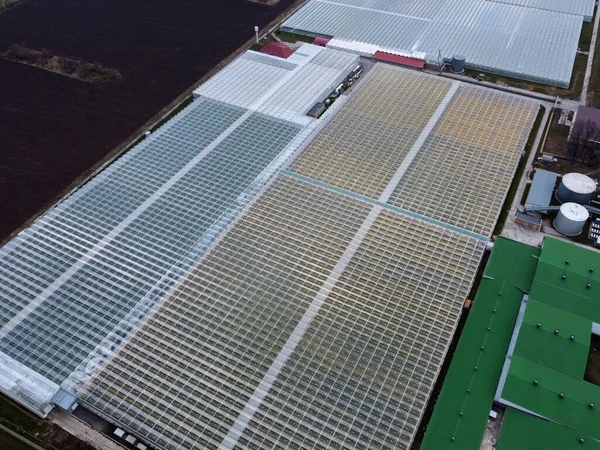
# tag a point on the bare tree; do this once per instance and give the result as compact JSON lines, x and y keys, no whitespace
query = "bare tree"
{"x":575,"y":141}
{"x":584,"y":143}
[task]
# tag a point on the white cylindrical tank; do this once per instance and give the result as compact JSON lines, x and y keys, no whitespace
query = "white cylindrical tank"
{"x":571,"y":219}
{"x":576,"y":188}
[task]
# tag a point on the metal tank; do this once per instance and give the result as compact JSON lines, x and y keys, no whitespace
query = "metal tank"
{"x":458,"y":64}
{"x":571,"y":219}
{"x":576,"y":188}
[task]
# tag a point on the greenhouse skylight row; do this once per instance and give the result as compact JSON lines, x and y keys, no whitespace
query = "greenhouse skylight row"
{"x":463,"y":172}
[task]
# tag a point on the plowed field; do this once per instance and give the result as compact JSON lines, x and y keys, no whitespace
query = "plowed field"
{"x":53,"y":128}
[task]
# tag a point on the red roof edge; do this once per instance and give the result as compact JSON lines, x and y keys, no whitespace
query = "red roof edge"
{"x":397,"y":59}
{"x":321,"y":41}
{"x":277,"y":49}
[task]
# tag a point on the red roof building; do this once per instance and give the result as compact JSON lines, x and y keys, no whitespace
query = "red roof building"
{"x":321,"y":41}
{"x":277,"y":49}
{"x":397,"y":59}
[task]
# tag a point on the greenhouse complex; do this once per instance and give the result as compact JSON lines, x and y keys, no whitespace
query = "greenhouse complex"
{"x":252,"y":277}
{"x":529,"y":39}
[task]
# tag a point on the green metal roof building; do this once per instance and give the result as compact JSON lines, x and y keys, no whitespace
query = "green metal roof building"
{"x":522,"y":431}
{"x":462,"y":408}
{"x":549,"y":301}
{"x":545,"y":375}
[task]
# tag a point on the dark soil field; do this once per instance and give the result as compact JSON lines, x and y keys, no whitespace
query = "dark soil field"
{"x":54,"y":129}
{"x":38,"y":431}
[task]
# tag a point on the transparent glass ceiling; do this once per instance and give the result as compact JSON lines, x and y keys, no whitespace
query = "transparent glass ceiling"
{"x":517,"y":38}
{"x":452,"y":149}
{"x":363,"y":371}
{"x":83,"y":277}
{"x":309,"y":325}
{"x":185,"y":376}
{"x":283,"y":88}
{"x":361,"y":148}
{"x":321,"y":318}
{"x":579,"y":7}
{"x":69,"y":280}
{"x":315,"y":80}
{"x":246,"y":79}
{"x":464,"y":170}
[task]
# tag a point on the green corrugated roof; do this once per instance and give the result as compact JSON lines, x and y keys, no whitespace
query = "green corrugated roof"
{"x":543,"y":345}
{"x":556,"y":251}
{"x":521,"y":431}
{"x":560,"y":299}
{"x":565,"y":285}
{"x":572,"y":410}
{"x":513,"y":262}
{"x":509,"y":271}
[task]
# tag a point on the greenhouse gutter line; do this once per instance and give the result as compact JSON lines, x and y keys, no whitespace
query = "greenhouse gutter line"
{"x":416,"y":147}
{"x":362,"y":8}
{"x":266,"y":383}
{"x":115,"y":232}
{"x":387,"y":206}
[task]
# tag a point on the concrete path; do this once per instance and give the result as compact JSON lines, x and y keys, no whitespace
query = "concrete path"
{"x":569,"y":105}
{"x":511,"y":89}
{"x":19,"y":437}
{"x":83,"y":431}
{"x":588,"y":70}
{"x":511,"y":230}
{"x":563,"y":103}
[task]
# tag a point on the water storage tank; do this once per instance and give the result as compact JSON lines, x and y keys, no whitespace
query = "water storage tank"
{"x":571,"y":219}
{"x":458,"y":64}
{"x":576,"y":188}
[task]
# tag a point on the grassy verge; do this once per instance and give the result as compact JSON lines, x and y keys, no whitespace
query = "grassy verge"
{"x":594,"y":88}
{"x":585,"y":38}
{"x":557,"y":145}
{"x":293,"y":37}
{"x":284,"y":36}
{"x":574,"y":90}
{"x":519,"y":173}
{"x":77,"y":68}
{"x":264,"y":41}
